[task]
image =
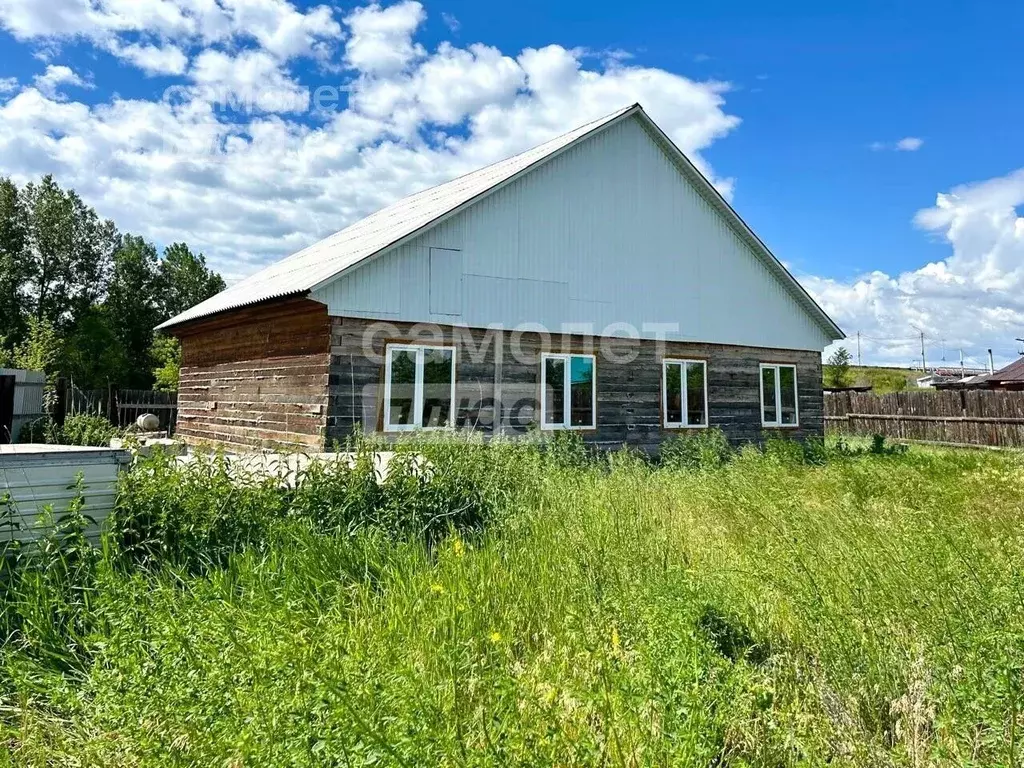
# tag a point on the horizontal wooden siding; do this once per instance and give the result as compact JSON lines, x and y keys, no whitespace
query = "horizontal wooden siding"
{"x":493,"y":365}
{"x":256,"y":378}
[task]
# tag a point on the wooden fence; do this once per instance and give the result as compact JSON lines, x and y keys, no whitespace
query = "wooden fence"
{"x":123,"y":406}
{"x":965,"y":417}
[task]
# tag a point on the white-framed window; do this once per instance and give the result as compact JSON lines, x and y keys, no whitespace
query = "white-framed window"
{"x":568,"y":387}
{"x":419,"y":387}
{"x":779,"y":396}
{"x":684,"y":393}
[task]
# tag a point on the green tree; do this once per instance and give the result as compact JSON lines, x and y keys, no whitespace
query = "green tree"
{"x":94,"y":354}
{"x":837,"y":372}
{"x":186,"y":280}
{"x":69,"y":254}
{"x":132,"y":305}
{"x":13,"y":262}
{"x":41,"y":350}
{"x":166,"y":353}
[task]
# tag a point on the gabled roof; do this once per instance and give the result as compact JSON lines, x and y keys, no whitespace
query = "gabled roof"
{"x":324,"y":261}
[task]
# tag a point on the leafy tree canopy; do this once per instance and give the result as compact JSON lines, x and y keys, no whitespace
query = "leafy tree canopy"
{"x":186,"y":280}
{"x":79,"y":298}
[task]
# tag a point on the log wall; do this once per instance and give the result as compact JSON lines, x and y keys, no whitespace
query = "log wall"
{"x":504,"y":367}
{"x":256,"y":377}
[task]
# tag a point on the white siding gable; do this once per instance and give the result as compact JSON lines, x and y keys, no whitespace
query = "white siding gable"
{"x":608,"y":232}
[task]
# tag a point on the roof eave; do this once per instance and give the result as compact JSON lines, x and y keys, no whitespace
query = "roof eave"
{"x":175,"y":324}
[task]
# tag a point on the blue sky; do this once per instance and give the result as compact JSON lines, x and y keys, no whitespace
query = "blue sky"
{"x":795,"y":111}
{"x":815,"y":86}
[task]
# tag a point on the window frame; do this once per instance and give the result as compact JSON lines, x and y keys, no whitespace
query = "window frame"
{"x":777,"y":367}
{"x":417,"y":405}
{"x":685,"y":411}
{"x":566,"y":358}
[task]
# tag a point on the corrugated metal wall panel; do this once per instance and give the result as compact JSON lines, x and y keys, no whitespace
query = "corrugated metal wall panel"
{"x":446,"y":277}
{"x":610,"y":230}
{"x":37,"y":478}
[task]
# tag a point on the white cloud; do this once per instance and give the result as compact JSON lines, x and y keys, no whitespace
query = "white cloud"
{"x":248,"y":187}
{"x":8,"y":85}
{"x":906,"y":144}
{"x":973,"y":299}
{"x":54,"y":77}
{"x":281,"y":29}
{"x":154,"y":59}
{"x":451,"y":21}
{"x":252,"y":81}
{"x":277,"y":26}
{"x":381,"y":41}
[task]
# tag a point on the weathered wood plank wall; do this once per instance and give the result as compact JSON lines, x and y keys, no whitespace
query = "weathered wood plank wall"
{"x":256,"y":377}
{"x":628,"y":393}
{"x":966,"y":417}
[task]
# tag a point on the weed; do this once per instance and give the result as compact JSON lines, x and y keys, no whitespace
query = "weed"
{"x":514,"y":604}
{"x":701,"y":449}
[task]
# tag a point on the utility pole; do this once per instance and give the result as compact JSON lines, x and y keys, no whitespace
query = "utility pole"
{"x":858,"y":348}
{"x":963,"y":372}
{"x":924,"y":363}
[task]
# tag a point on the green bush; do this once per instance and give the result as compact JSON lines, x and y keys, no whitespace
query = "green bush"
{"x":80,"y":429}
{"x":46,"y":585}
{"x":39,"y":431}
{"x":698,"y":449}
{"x":88,"y":430}
{"x":565,"y":448}
{"x":198,"y":514}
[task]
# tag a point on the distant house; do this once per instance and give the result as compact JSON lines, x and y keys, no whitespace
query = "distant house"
{"x":936,"y":379}
{"x":1010,"y":378}
{"x":596,"y":283}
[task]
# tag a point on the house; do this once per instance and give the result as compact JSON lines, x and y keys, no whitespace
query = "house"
{"x":1008,"y":379}
{"x":596,"y":283}
{"x":936,"y":379}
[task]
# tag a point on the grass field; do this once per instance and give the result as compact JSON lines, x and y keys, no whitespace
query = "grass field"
{"x":522,"y":608}
{"x":885,"y":380}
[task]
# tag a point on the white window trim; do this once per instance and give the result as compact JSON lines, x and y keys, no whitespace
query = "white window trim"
{"x":417,"y":404}
{"x":777,"y":424}
{"x":567,"y":400}
{"x":684,"y":424}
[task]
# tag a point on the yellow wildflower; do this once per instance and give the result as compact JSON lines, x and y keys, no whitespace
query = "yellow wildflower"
{"x":495,"y":637}
{"x":616,"y":642}
{"x":458,"y":548}
{"x":437,"y":589}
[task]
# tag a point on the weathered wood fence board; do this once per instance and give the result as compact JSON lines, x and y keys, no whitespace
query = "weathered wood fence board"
{"x":124,"y":406}
{"x":978,"y":417}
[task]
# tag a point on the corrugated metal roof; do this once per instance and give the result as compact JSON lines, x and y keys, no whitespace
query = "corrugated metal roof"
{"x":325,"y":260}
{"x":312,"y":266}
{"x":1010,"y":374}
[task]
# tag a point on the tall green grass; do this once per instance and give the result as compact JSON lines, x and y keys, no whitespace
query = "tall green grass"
{"x":546,"y":608}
